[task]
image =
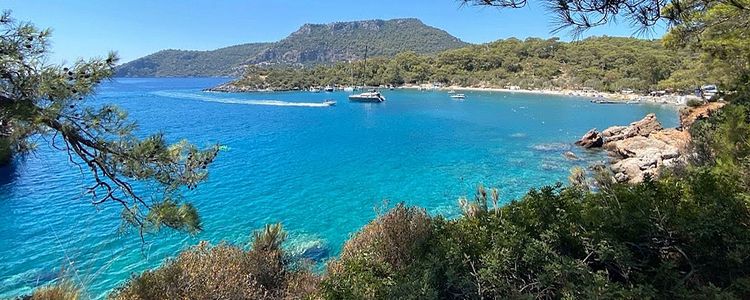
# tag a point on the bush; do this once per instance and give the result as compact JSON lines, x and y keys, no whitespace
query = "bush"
{"x":225,"y":272}
{"x":387,"y":259}
{"x":64,"y":290}
{"x":694,"y":103}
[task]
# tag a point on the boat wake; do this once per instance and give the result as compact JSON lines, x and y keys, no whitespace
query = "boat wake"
{"x":207,"y":98}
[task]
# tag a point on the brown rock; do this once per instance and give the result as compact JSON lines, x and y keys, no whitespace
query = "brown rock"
{"x":592,"y":139}
{"x":613,"y":131}
{"x":644,"y":127}
{"x":688,"y":115}
{"x":674,"y":137}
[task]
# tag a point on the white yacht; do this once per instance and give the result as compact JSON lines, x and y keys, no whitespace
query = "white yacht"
{"x":372,"y":96}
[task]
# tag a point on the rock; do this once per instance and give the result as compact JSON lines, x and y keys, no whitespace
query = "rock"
{"x":628,"y":170}
{"x":689,"y":115}
{"x":637,"y":146}
{"x":570,"y":155}
{"x":315,"y":253}
{"x":642,"y":148}
{"x":644,"y":127}
{"x":614,"y":130}
{"x":592,"y":139}
{"x":674,"y":137}
{"x":621,"y":177}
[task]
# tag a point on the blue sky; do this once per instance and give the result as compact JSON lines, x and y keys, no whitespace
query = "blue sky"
{"x":136,"y":28}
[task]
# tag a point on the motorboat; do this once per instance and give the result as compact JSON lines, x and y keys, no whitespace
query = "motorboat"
{"x":372,"y":96}
{"x":458,"y":96}
{"x":329,"y":102}
{"x":329,"y":88}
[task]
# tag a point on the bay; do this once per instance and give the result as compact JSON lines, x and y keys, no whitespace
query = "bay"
{"x":322,"y":171}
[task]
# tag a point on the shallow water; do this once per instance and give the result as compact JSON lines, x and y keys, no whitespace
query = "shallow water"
{"x":321,"y":171}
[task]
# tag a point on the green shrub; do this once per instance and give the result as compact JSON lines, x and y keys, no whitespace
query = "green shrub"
{"x":388,"y":259}
{"x":225,"y":272}
{"x":694,"y":102}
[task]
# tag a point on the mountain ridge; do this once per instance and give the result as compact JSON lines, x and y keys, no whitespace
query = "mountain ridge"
{"x":311,"y":44}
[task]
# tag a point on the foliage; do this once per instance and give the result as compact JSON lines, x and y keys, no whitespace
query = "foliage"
{"x":225,"y":272}
{"x":226,"y":61}
{"x":49,"y":101}
{"x":694,"y":103}
{"x":388,"y":259}
{"x":603,"y":63}
{"x":65,"y":290}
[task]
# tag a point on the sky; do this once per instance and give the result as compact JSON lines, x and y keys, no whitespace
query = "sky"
{"x":135,"y":28}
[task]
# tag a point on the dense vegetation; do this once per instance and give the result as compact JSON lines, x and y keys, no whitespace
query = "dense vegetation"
{"x":227,"y":61}
{"x":311,"y":44}
{"x":603,"y":63}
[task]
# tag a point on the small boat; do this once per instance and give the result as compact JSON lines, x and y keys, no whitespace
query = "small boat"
{"x":458,"y":96}
{"x":314,"y":90}
{"x":348,"y":89}
{"x":329,"y":88}
{"x":604,"y":101}
{"x":633,"y":102}
{"x":372,"y":96}
{"x":451,"y":92}
{"x":329,"y":102}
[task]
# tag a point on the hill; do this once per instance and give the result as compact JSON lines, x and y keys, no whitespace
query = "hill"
{"x":602,"y":63}
{"x":312,"y":44}
{"x":345,"y":41}
{"x":176,"y":63}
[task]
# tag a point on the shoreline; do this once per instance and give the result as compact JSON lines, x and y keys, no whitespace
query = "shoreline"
{"x":613,"y":98}
{"x":676,"y":100}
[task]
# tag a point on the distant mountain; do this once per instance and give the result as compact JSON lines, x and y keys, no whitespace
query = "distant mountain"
{"x":310,"y":45}
{"x":343,"y":41}
{"x":175,"y":63}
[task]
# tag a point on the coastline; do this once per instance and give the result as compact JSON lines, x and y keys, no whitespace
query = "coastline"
{"x":672,"y":99}
{"x":611,"y":98}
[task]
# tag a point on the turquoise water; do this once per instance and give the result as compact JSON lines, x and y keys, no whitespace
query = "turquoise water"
{"x":321,"y":171}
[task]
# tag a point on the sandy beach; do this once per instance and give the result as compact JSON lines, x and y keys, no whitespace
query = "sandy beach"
{"x":672,"y":99}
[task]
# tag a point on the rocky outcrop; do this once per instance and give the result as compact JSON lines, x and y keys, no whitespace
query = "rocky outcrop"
{"x":644,"y":127}
{"x":640,"y":149}
{"x":591,"y":139}
{"x":689,"y":115}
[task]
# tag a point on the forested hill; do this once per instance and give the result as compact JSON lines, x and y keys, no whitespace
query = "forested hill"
{"x":185,"y":63}
{"x":602,"y":63}
{"x":346,"y":41}
{"x":312,"y":44}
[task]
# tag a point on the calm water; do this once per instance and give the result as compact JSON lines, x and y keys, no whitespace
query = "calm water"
{"x":321,"y":171}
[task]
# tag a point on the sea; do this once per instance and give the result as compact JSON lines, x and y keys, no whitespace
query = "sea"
{"x":322,"y":171}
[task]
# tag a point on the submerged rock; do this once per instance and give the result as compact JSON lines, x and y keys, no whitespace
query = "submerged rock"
{"x":570,"y":155}
{"x":551,"y":147}
{"x":315,"y":253}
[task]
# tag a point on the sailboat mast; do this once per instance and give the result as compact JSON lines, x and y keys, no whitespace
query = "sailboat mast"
{"x":365,"y":73}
